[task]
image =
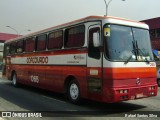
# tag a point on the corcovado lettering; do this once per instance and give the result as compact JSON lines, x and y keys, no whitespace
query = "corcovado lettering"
{"x":37,"y":60}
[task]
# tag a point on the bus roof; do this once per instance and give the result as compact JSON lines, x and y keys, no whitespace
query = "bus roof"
{"x":86,"y":19}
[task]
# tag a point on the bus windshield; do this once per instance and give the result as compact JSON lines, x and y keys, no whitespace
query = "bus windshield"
{"x":125,"y":43}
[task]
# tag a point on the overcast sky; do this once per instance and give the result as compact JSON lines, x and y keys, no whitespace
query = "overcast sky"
{"x":40,"y":14}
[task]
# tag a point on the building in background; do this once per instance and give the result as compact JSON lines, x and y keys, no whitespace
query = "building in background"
{"x":154,"y":29}
{"x":3,"y":38}
{"x":6,"y":36}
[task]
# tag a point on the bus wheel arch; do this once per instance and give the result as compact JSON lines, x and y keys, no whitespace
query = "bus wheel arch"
{"x":72,"y":89}
{"x":14,"y":78}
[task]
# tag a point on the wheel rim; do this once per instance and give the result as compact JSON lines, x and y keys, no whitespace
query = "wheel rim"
{"x":74,"y":91}
{"x":14,"y":79}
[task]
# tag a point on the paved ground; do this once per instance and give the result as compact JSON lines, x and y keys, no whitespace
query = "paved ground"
{"x":31,"y":99}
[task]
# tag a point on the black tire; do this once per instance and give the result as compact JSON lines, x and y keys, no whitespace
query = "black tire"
{"x":14,"y":80}
{"x":73,"y":92}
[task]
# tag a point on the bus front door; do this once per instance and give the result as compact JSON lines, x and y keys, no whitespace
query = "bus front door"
{"x":94,"y":60}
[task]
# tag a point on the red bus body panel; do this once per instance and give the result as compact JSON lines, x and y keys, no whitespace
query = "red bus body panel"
{"x":115,"y":79}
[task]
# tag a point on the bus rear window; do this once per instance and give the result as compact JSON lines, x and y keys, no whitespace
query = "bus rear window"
{"x":6,"y":49}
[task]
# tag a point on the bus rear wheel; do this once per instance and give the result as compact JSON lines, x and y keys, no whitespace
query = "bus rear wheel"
{"x":73,"y":92}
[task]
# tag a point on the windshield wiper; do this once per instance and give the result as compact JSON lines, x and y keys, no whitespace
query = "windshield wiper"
{"x":134,"y":51}
{"x":145,"y":58}
{"x":128,"y":60}
{"x":139,"y":50}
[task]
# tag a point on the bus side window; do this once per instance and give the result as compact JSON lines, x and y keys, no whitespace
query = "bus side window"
{"x":13,"y":48}
{"x":30,"y":44}
{"x":20,"y":46}
{"x":74,"y":37}
{"x":93,"y":51}
{"x":55,"y":40}
{"x":41,"y":42}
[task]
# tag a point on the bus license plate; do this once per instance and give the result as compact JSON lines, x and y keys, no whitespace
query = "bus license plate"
{"x":140,"y":95}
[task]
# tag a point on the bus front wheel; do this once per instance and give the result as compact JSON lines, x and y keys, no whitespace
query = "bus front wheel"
{"x":73,"y":92}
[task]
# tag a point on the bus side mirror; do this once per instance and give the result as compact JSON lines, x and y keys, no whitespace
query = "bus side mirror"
{"x":96,"y":39}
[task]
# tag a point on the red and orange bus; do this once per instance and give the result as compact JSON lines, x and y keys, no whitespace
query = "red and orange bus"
{"x":100,"y":58}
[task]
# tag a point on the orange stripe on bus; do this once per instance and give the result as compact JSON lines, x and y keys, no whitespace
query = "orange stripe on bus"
{"x":126,"y":73}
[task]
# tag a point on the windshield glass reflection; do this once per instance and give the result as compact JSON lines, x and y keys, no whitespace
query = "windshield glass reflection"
{"x":127,"y":44}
